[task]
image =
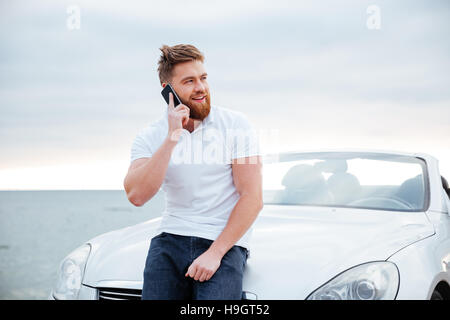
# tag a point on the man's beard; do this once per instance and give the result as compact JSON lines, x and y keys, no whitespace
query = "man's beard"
{"x":198,"y":111}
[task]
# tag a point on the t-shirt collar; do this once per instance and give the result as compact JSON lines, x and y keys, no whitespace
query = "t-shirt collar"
{"x":210,"y":118}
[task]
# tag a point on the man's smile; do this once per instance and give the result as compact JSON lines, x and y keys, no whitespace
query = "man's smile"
{"x":199,"y":99}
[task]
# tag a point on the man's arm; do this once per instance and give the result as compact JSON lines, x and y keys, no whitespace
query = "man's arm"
{"x":247,"y":176}
{"x":145,"y":176}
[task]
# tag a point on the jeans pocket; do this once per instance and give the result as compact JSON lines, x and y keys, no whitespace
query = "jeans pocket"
{"x":245,"y":254}
{"x":161,"y":235}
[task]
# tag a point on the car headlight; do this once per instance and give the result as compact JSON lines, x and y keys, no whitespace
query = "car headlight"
{"x":369,"y":281}
{"x":70,"y":274}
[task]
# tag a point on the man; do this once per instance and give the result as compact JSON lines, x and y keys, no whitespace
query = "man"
{"x":213,"y":187}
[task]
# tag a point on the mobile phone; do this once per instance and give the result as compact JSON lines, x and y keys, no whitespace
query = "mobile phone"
{"x":165,"y":93}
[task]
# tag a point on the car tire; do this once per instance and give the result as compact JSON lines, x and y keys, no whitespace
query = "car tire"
{"x":436,"y":296}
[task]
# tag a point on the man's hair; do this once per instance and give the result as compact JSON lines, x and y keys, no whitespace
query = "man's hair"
{"x":176,"y":54}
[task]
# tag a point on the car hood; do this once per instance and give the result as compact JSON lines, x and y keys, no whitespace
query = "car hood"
{"x":293,"y":249}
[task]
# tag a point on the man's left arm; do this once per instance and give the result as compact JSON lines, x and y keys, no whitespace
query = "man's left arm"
{"x":247,"y":176}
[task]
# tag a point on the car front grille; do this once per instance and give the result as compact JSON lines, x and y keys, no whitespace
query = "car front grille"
{"x":119,"y":294}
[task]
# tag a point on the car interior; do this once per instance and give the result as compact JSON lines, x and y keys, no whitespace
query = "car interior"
{"x":306,"y":184}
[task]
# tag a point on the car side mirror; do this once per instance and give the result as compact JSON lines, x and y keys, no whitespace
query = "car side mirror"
{"x":446,"y":188}
{"x":448,"y":205}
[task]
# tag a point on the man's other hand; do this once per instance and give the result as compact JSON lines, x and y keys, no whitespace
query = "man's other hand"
{"x":204,"y":267}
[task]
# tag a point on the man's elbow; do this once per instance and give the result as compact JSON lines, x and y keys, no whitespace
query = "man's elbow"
{"x":131,"y":193}
{"x":135,"y":199}
{"x":139,"y":197}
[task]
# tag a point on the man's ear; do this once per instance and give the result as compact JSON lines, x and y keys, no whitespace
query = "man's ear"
{"x":164,"y":84}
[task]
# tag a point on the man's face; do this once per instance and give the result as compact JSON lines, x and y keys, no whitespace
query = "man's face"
{"x":189,"y":80}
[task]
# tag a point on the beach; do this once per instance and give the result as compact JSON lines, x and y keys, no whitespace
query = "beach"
{"x":39,"y":228}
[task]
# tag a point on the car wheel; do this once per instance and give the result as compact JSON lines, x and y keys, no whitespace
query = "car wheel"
{"x":436,"y":296}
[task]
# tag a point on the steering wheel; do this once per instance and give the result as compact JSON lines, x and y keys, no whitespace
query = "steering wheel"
{"x":375,"y":202}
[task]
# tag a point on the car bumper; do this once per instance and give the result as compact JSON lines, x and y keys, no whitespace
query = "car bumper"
{"x":86,"y":293}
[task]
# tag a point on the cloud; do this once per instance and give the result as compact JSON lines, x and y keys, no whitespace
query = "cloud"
{"x":305,"y":68}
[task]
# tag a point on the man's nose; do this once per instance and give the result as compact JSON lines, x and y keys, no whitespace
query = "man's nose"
{"x":199,"y":86}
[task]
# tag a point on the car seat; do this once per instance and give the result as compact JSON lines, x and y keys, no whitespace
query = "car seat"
{"x":344,"y":186}
{"x":411,"y":191}
{"x":304,"y":184}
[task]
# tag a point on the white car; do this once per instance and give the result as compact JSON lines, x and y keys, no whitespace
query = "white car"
{"x":348,"y":225}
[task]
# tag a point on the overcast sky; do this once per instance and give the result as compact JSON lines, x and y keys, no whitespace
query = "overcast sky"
{"x":309,"y":75}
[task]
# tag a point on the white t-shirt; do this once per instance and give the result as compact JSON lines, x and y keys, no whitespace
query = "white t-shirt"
{"x":200,"y":192}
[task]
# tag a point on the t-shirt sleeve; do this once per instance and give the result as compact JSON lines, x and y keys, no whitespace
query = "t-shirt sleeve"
{"x":245,"y":142}
{"x":140,"y":148}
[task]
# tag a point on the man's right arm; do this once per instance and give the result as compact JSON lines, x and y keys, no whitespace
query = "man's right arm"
{"x":146,"y":175}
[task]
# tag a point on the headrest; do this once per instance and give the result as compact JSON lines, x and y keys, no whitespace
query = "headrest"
{"x":343,"y":180}
{"x":332,"y":166}
{"x":344,"y":186}
{"x":412,"y":191}
{"x":303,"y":176}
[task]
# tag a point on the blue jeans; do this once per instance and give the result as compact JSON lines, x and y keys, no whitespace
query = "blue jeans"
{"x":168,"y":260}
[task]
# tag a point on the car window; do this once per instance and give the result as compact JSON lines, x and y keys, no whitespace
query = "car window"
{"x":347,"y":180}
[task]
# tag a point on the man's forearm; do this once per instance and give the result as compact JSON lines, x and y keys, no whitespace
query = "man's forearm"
{"x":241,"y":218}
{"x":143,"y":182}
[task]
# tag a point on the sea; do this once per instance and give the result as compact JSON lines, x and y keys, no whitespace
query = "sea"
{"x":39,"y":228}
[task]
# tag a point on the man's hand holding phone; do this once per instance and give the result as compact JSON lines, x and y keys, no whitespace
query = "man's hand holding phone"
{"x":177,"y":118}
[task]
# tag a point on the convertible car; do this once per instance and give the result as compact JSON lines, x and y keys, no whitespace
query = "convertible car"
{"x":339,"y":225}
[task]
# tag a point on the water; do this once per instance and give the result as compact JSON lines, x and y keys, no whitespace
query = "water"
{"x":39,"y":228}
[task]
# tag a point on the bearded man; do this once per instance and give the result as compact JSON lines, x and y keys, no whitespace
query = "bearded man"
{"x":213,"y":190}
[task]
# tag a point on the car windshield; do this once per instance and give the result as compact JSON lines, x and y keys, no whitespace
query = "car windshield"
{"x":357,"y":180}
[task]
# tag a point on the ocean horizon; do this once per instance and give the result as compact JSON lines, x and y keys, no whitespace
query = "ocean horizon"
{"x":38,"y":228}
